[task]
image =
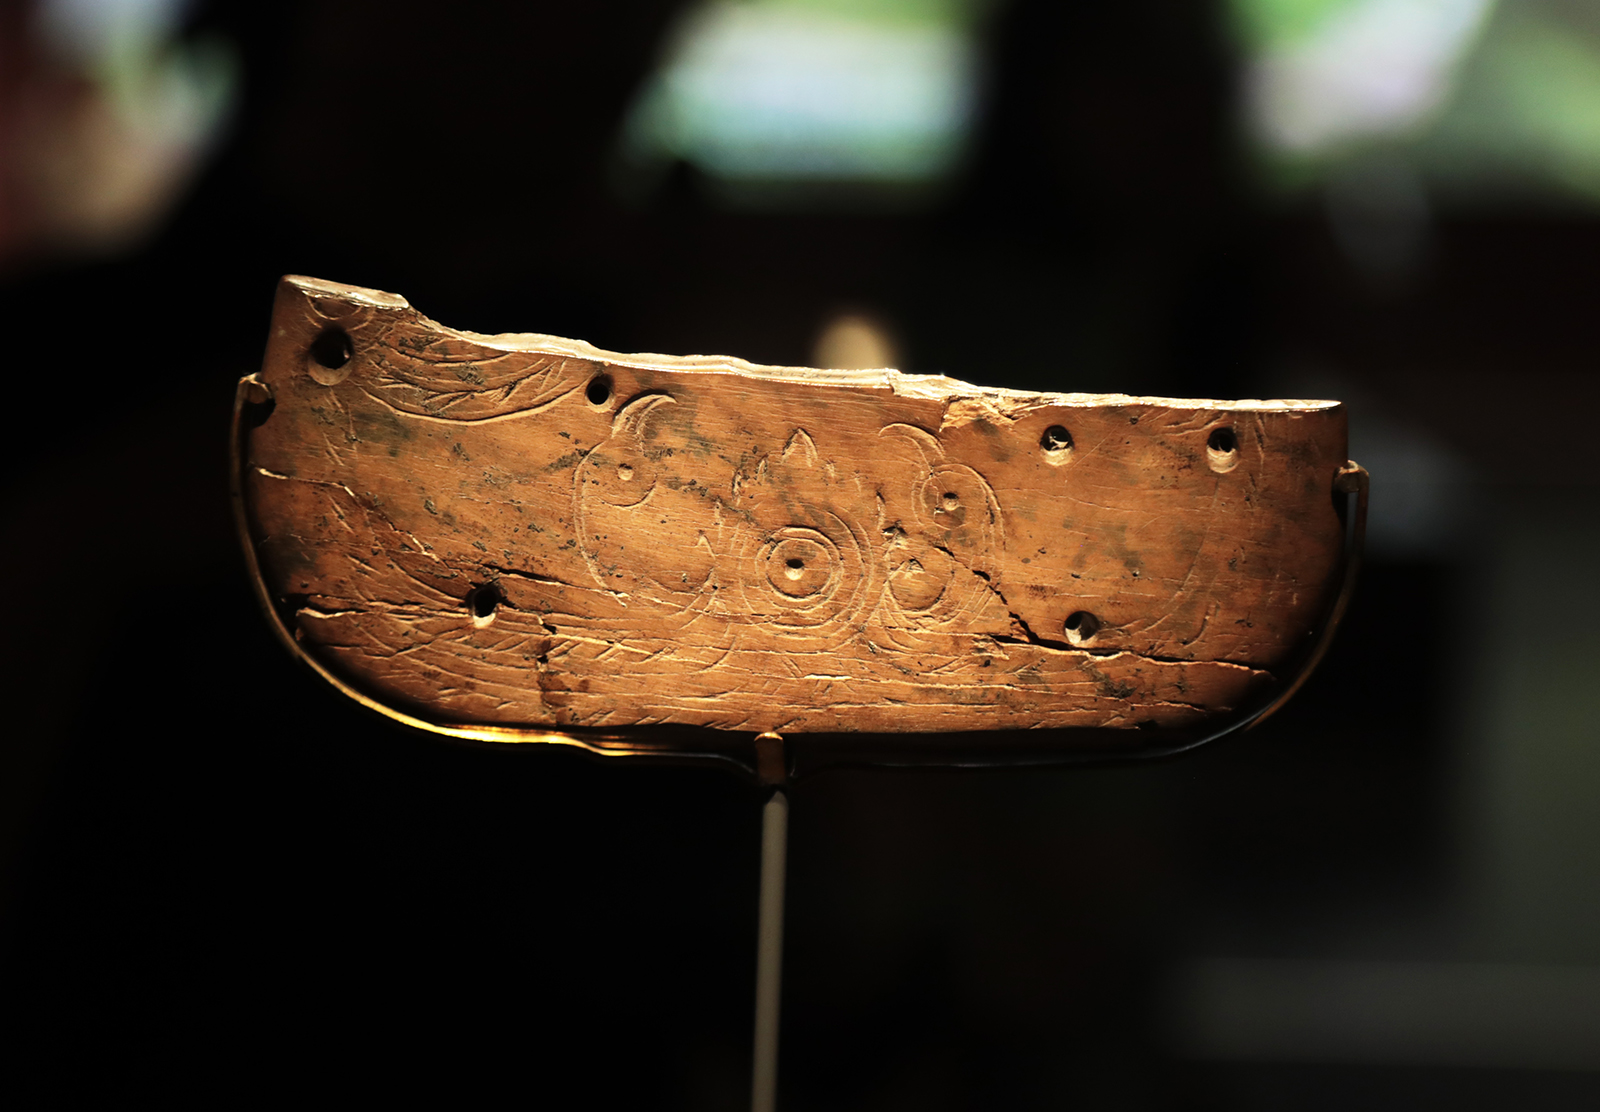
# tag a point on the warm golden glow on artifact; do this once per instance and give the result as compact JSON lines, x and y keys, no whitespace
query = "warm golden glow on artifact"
{"x":526,"y":538}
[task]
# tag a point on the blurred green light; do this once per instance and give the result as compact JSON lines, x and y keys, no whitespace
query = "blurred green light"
{"x":813,"y":91}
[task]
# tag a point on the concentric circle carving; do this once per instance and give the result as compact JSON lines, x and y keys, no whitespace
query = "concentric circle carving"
{"x":954,"y":500}
{"x":619,"y":474}
{"x":809,"y":581}
{"x":802,"y":566}
{"x":941,"y":572}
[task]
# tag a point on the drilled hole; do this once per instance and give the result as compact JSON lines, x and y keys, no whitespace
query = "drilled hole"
{"x":1056,"y":442}
{"x":328,"y":358}
{"x":1222,"y":450}
{"x":1081,"y":627}
{"x":332,"y":349}
{"x":482,"y":602}
{"x":599,"y":390}
{"x":256,"y":413}
{"x":289,"y":607}
{"x":795,"y":567}
{"x":259,"y":403}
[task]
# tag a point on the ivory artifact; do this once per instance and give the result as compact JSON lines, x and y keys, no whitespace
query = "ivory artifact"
{"x":520,"y":536}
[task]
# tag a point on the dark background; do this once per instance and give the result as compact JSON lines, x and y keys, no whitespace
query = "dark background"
{"x":222,"y":880}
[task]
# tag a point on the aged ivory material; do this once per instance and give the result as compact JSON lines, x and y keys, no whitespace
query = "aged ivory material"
{"x":521,"y":532}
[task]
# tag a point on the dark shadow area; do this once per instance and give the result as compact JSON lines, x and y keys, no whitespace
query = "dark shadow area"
{"x":221,"y":880}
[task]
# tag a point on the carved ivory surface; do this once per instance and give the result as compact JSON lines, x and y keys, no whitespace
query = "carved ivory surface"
{"x":521,"y":530}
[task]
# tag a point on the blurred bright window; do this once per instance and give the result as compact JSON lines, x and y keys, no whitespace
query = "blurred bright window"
{"x":117,"y":114}
{"x":1477,"y":98}
{"x":812,"y":93}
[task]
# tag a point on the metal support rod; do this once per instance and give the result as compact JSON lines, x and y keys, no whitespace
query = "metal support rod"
{"x":769,"y":952}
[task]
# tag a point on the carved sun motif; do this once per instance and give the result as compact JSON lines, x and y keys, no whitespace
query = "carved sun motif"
{"x":801,"y":543}
{"x":787,"y":542}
